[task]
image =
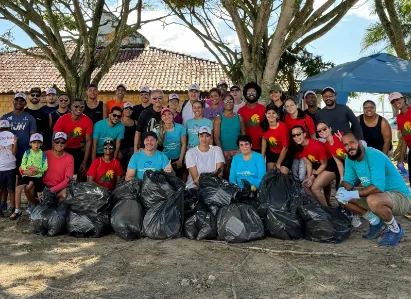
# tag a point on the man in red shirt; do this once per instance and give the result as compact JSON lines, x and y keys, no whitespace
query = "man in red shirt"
{"x":78,"y":127}
{"x":253,"y":114}
{"x":60,"y":166}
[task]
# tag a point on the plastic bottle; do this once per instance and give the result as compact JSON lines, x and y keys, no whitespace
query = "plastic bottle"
{"x":404,"y":172}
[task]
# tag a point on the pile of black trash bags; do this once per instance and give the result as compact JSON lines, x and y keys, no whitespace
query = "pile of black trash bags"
{"x":160,"y":207}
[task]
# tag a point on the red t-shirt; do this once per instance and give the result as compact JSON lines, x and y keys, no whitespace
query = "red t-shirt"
{"x":315,"y":152}
{"x":252,"y":119}
{"x":277,"y":138}
{"x":75,"y":130}
{"x":404,"y":125}
{"x":307,"y":124}
{"x":337,"y":149}
{"x":104,"y":173}
{"x":59,"y":169}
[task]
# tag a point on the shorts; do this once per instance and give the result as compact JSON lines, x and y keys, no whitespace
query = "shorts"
{"x":78,"y":156}
{"x":228,"y":157}
{"x":18,"y":164}
{"x":400,"y":203}
{"x":8,"y":180}
{"x":38,"y":183}
{"x":331,"y":166}
{"x":271,"y":157}
{"x":179,"y":171}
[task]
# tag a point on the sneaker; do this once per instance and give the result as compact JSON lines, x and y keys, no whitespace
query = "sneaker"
{"x":3,"y":206}
{"x":375,"y":231}
{"x":15,"y":215}
{"x":356,"y":221}
{"x":391,"y":238}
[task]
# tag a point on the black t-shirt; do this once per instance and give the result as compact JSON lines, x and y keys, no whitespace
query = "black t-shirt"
{"x":42,"y":120}
{"x":129,"y":132}
{"x":46,"y":109}
{"x":148,"y":121}
{"x":137,"y":109}
{"x":95,"y":114}
{"x":312,"y":115}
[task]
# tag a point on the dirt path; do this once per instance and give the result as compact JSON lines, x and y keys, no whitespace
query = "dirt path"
{"x":66,"y":267}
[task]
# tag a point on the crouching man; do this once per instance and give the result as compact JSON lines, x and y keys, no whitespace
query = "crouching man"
{"x":384,"y":195}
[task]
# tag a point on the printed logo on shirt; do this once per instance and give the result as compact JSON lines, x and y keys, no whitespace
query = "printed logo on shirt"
{"x":254,"y":120}
{"x":340,"y":153}
{"x":193,"y":130}
{"x":107,"y":177}
{"x":245,"y":173}
{"x":406,"y":130}
{"x":75,"y":133}
{"x":366,"y":181}
{"x":312,"y":159}
{"x":148,"y":164}
{"x":18,"y":126}
{"x":272,"y":141}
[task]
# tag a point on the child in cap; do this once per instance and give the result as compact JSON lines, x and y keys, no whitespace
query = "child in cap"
{"x":33,"y":166}
{"x":8,"y":152}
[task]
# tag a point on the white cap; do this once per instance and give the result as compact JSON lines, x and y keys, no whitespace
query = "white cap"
{"x":310,"y":92}
{"x":222,"y":82}
{"x":4,"y":124}
{"x":144,"y":90}
{"x":122,"y":85}
{"x":127,"y":105}
{"x":36,"y":137}
{"x":59,"y":135}
{"x":20,"y":95}
{"x":204,"y":129}
{"x":173,"y":96}
{"x":194,"y":86}
{"x":50,"y":90}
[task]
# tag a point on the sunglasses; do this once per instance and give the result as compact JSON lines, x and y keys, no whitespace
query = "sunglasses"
{"x":228,"y":101}
{"x":108,"y":147}
{"x":116,"y":115}
{"x":64,"y":100}
{"x":60,"y":142}
{"x":322,"y":130}
{"x":297,"y":134}
{"x":251,"y":93}
{"x":35,"y":95}
{"x":155,"y":99}
{"x":78,"y":106}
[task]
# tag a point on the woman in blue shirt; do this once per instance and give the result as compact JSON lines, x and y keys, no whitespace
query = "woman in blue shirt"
{"x":172,"y":137}
{"x":247,"y":165}
{"x":194,"y":124}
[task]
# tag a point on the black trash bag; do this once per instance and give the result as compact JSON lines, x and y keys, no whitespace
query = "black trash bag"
{"x":49,"y":216}
{"x":127,"y":219}
{"x":87,"y":197}
{"x":164,"y":220}
{"x":324,"y":224}
{"x":130,"y":190}
{"x":215,"y":192}
{"x":246,"y":195}
{"x":201,"y":225}
{"x":192,"y":203}
{"x":158,"y":186}
{"x":238,"y":223}
{"x":279,"y":198}
{"x":88,"y":225}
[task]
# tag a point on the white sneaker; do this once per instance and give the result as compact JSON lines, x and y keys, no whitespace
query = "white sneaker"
{"x":356,"y":221}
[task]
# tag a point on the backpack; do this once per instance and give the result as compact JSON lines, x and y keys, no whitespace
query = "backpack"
{"x":43,"y":157}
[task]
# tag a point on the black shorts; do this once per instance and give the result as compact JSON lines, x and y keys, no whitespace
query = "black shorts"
{"x":78,"y":156}
{"x":38,"y":182}
{"x":179,"y":171}
{"x":331,"y":166}
{"x":8,"y":180}
{"x":271,"y":157}
{"x":18,"y":164}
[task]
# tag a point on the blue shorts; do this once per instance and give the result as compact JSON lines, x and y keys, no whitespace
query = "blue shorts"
{"x":8,"y":180}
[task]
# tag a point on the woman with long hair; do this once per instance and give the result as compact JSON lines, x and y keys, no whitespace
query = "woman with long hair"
{"x":193,"y":125}
{"x":321,"y":168}
{"x":296,"y":117}
{"x":172,"y":138}
{"x":215,"y":107}
{"x":275,"y":140}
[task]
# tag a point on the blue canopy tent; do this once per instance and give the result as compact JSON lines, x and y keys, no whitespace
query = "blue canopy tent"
{"x":379,"y":73}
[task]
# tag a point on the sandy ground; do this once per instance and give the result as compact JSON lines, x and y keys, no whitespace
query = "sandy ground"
{"x":65,"y":267}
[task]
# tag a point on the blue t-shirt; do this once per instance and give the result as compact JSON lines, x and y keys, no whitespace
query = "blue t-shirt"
{"x":192,"y":126}
{"x":172,"y":141}
{"x":21,"y":126}
{"x":375,"y":169}
{"x":252,"y":170}
{"x":140,"y":162}
{"x":102,"y":132}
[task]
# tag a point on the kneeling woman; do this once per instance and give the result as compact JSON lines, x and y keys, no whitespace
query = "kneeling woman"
{"x":321,"y":168}
{"x":106,"y":170}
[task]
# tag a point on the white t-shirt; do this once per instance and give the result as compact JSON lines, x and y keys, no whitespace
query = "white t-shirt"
{"x":205,"y":162}
{"x":7,"y":159}
{"x":238,"y":106}
{"x":187,"y":113}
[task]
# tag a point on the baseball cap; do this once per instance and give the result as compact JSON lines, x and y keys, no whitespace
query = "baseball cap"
{"x":144,"y":90}
{"x":4,"y":124}
{"x":109,"y":142}
{"x":122,"y":85}
{"x":275,"y":87}
{"x":51,"y":90}
{"x":204,"y":129}
{"x":36,"y":137}
{"x":271,"y":107}
{"x":152,"y":134}
{"x":394,"y":96}
{"x":235,"y":87}
{"x":310,"y":92}
{"x":92,"y":85}
{"x":222,"y":82}
{"x":127,"y":105}
{"x":173,"y":96}
{"x":59,"y":135}
{"x":328,"y":88}
{"x":164,"y":110}
{"x":20,"y":95}
{"x":194,"y":86}
{"x":35,"y":89}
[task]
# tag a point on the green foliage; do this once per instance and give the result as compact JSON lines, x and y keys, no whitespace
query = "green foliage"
{"x":64,"y":21}
{"x":181,"y":4}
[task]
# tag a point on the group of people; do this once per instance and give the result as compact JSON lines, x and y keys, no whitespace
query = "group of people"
{"x":102,"y":142}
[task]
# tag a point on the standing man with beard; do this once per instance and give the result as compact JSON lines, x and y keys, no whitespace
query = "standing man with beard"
{"x":384,"y":195}
{"x":52,"y":105}
{"x":337,"y":116}
{"x":253,"y":114}
{"x":310,"y":98}
{"x":145,"y":103}
{"x":33,"y":107}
